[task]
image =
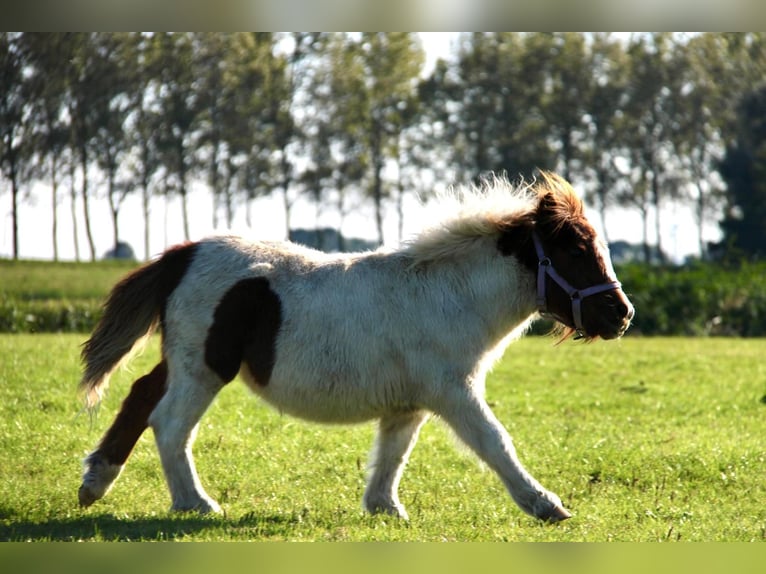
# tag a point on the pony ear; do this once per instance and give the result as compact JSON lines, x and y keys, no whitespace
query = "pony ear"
{"x":557,"y":203}
{"x":516,"y":237}
{"x":548,"y":207}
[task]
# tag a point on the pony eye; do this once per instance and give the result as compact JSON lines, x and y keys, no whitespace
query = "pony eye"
{"x":576,"y":250}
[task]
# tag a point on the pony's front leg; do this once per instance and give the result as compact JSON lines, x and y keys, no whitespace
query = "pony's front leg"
{"x":175,"y":422}
{"x":397,"y":434}
{"x":474,"y":422}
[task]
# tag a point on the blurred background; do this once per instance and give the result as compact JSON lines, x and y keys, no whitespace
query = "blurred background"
{"x":122,"y":144}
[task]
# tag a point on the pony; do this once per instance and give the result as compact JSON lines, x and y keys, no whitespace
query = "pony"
{"x":392,"y":334}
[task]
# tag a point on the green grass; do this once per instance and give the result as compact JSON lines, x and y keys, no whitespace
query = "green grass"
{"x":644,"y":440}
{"x":41,"y":296}
{"x":45,"y":280}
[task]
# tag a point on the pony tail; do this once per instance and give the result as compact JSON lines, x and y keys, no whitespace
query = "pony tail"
{"x":131,"y":315}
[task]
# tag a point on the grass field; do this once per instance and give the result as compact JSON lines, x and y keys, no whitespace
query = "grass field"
{"x":41,"y":296}
{"x":644,"y":440}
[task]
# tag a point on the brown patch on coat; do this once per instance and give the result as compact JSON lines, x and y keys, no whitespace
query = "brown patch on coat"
{"x":245,"y":327}
{"x":175,"y":262}
{"x":133,"y":418}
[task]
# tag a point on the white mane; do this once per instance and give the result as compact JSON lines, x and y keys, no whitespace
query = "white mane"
{"x":466,"y":214}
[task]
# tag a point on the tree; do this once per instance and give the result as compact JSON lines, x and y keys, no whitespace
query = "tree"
{"x":491,"y":104}
{"x":296,"y":75}
{"x":179,"y":103}
{"x":605,"y":119}
{"x":142,"y":125}
{"x":111,"y":104}
{"x":333,"y":129}
{"x":13,"y":148}
{"x":570,"y":91}
{"x":744,"y":171}
{"x":702,"y":118}
{"x":212,"y":63}
{"x":83,"y":74}
{"x":653,"y":91}
{"x":390,"y":64}
{"x":45,"y":55}
{"x":267,"y":92}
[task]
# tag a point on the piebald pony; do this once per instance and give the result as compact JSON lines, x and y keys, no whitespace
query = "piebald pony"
{"x":391,"y":335}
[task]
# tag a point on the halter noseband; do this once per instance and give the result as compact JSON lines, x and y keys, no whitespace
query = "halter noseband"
{"x":545,"y":268}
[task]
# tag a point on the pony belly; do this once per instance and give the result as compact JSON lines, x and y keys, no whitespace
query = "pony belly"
{"x":340,"y":402}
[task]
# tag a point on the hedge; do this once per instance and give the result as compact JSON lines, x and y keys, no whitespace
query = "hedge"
{"x":48,"y":316}
{"x":697,"y":299}
{"x":700,"y":299}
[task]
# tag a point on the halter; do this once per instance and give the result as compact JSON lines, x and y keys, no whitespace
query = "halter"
{"x":545,"y":267}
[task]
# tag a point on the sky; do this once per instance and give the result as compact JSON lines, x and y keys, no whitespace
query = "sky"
{"x":35,"y":215}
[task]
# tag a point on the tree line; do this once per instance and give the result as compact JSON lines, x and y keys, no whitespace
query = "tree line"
{"x":351,"y":119}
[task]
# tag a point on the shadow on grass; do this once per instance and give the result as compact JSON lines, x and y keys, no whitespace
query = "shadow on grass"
{"x":107,"y":527}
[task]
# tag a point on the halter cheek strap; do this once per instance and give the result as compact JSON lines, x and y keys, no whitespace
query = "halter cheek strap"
{"x":545,"y":269}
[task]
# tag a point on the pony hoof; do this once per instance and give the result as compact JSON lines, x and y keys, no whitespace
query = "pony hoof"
{"x":201,"y":507}
{"x":388,"y":507}
{"x":97,"y":480}
{"x":86,"y":496}
{"x":558,"y":513}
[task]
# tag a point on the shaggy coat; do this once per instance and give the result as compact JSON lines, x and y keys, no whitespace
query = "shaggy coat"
{"x":343,"y":338}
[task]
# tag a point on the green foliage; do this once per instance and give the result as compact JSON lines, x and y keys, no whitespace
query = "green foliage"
{"x":644,"y":439}
{"x":642,"y":120}
{"x":697,"y":299}
{"x":48,"y":316}
{"x":744,"y":168}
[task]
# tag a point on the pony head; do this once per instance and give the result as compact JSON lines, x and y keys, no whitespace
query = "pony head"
{"x":576,"y":283}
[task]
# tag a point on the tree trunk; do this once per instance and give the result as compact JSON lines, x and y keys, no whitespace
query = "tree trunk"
{"x":73,"y":208}
{"x":185,"y":212}
{"x":114,"y":208}
{"x":700,"y":205}
{"x":377,"y":195}
{"x":656,"y":204}
{"x":377,"y":179}
{"x":700,"y":208}
{"x":645,"y":224}
{"x":216,"y":201}
{"x":288,"y":211}
{"x":183,"y":193}
{"x":229,"y":208}
{"x":145,"y":197}
{"x":54,"y":205}
{"x":286,"y":181}
{"x":567,"y":149}
{"x":213,"y":181}
{"x":601,"y":194}
{"x":15,"y":213}
{"x":86,"y":203}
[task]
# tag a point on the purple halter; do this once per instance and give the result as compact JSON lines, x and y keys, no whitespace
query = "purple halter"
{"x":545,"y":267}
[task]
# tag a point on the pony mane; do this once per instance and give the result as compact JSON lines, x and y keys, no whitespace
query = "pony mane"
{"x":561,"y":202}
{"x":469,"y":214}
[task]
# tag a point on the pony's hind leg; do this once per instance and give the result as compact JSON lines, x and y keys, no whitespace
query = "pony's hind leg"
{"x":103,"y":465}
{"x":397,"y":434}
{"x":174,"y":423}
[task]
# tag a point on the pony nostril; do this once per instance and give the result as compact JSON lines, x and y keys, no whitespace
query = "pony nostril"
{"x":625,"y":311}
